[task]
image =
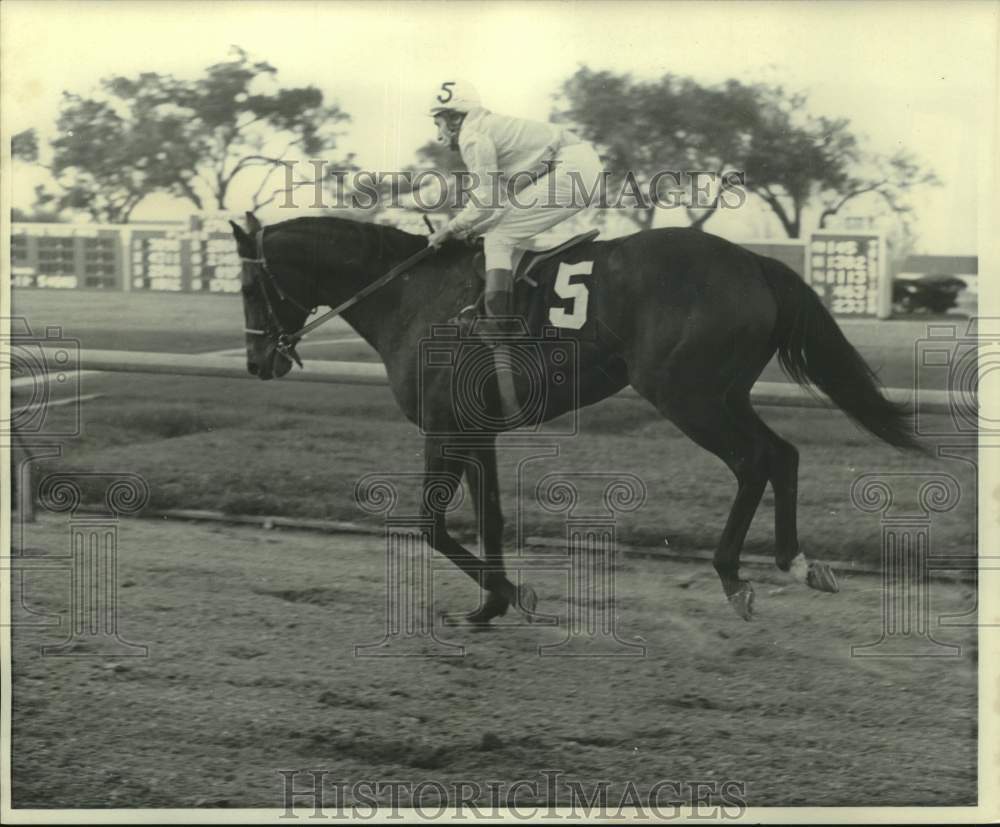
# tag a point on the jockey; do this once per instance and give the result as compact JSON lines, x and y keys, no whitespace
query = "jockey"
{"x":553,"y":173}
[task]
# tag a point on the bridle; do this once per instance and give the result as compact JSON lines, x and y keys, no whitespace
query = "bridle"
{"x":285,"y":340}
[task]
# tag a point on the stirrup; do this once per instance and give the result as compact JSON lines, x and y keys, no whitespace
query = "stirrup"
{"x":465,"y":319}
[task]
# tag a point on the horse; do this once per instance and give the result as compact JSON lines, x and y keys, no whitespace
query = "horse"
{"x":688,"y":319}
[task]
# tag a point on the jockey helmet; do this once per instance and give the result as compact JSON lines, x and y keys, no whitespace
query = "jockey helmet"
{"x":455,"y":96}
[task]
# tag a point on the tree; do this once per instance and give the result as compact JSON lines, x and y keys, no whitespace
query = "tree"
{"x":24,"y":146}
{"x":103,"y":185}
{"x":104,"y":163}
{"x":891,"y":179}
{"x":791,"y":155}
{"x":798,"y":160}
{"x":790,"y":158}
{"x":417,"y":191}
{"x":645,"y":127}
{"x":435,"y":156}
{"x":193,"y":139}
{"x":42,"y":211}
{"x":235,"y":130}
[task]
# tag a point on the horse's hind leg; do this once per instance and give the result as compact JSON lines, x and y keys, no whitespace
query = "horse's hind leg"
{"x":783,"y":465}
{"x":725,"y":426}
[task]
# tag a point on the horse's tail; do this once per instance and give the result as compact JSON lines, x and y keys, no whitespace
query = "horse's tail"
{"x":812,"y":348}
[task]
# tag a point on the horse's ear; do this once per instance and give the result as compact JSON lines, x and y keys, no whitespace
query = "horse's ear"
{"x":239,"y":233}
{"x":253,"y":225}
{"x":243,"y":242}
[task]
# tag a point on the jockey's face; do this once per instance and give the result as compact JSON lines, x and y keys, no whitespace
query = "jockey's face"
{"x":448,"y":126}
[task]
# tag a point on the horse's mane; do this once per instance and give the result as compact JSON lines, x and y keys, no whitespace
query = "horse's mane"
{"x":378,"y":236}
{"x":327,"y":224}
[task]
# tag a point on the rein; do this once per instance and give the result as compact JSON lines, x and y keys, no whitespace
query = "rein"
{"x":285,"y":341}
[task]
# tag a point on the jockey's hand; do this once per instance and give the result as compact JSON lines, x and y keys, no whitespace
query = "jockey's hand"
{"x":439,"y":237}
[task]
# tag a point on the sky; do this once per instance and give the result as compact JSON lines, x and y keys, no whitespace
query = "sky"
{"x":920,"y":76}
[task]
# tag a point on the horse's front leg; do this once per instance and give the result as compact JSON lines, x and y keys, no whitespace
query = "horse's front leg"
{"x":442,"y":476}
{"x":484,"y":487}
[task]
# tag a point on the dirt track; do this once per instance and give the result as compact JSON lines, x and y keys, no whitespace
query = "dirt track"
{"x":251,"y":669}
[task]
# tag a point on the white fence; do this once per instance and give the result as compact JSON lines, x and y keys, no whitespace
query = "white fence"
{"x":777,"y":394}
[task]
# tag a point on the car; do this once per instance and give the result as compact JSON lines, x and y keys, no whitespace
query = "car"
{"x":935,"y":293}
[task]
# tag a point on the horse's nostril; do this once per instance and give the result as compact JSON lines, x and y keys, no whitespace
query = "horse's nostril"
{"x":252,"y":368}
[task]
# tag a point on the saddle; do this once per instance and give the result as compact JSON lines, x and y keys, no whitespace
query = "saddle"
{"x":527,"y":262}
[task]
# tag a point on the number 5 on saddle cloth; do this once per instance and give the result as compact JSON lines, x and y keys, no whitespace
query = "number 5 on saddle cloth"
{"x":551,"y":288}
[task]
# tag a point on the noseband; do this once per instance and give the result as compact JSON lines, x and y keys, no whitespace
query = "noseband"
{"x":285,"y":341}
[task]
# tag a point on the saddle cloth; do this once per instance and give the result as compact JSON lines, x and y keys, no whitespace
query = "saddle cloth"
{"x":542,"y":310}
{"x":547,"y":311}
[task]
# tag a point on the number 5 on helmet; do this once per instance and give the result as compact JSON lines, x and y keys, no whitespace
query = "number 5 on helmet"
{"x":455,"y":96}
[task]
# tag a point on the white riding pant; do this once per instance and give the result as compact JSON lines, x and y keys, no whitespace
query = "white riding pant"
{"x":571,"y":186}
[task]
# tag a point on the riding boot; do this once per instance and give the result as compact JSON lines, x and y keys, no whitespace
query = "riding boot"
{"x":499,"y":305}
{"x":497,"y":300}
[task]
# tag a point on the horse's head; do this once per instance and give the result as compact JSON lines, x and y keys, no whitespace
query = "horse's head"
{"x":277,"y":299}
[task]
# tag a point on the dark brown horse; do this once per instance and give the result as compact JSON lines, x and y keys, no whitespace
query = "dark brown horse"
{"x":688,"y":319}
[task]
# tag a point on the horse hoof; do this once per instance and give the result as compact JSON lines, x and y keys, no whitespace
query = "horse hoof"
{"x":742,"y":600}
{"x":822,"y":578}
{"x":527,"y":600}
{"x":799,"y":568}
{"x":495,"y":606}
